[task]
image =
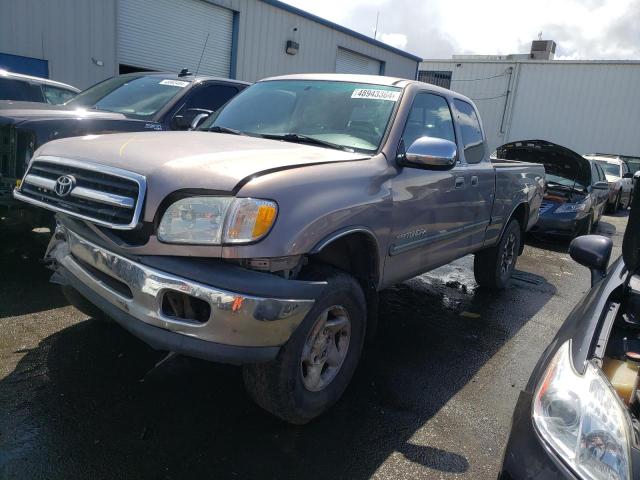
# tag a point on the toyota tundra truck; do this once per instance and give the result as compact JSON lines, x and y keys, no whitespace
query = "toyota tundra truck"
{"x":263,"y":238}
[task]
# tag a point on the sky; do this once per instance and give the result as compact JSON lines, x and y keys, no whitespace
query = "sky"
{"x":583,"y":29}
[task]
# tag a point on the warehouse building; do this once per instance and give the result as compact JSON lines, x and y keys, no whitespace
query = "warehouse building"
{"x":81,"y":42}
{"x":587,"y":106}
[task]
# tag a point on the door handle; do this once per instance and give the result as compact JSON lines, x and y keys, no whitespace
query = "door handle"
{"x":459,"y":182}
{"x":474,"y":181}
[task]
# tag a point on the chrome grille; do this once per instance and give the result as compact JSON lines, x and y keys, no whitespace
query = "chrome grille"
{"x":546,"y":206}
{"x":103,"y":195}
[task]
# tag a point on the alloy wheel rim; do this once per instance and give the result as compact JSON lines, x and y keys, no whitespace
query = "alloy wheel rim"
{"x":325,"y":348}
{"x":508,"y":254}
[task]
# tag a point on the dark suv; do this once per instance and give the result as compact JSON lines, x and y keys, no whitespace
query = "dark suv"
{"x":126,"y":103}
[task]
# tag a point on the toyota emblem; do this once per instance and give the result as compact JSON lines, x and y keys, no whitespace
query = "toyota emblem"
{"x":64,"y":185}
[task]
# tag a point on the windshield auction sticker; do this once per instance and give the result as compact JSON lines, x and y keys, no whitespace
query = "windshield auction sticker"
{"x":375,"y":94}
{"x":174,"y":83}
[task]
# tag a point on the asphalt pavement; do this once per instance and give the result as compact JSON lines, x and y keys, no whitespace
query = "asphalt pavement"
{"x":433,"y":398}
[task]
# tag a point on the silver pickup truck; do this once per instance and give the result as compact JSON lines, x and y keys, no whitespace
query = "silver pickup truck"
{"x":263,"y":239}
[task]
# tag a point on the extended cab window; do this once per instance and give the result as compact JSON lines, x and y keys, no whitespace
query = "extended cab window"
{"x":471,"y":132}
{"x":429,"y":117}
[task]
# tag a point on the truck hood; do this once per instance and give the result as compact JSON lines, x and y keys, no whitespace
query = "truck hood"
{"x":557,"y":160}
{"x":16,"y":112}
{"x":192,"y":160}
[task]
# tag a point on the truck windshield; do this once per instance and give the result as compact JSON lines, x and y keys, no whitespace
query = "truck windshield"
{"x":350,"y":116}
{"x":134,"y":96}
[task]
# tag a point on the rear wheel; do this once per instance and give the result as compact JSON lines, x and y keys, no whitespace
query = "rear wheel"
{"x":315,"y":366}
{"x":494,"y":266}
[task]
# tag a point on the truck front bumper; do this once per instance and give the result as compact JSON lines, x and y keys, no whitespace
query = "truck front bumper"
{"x":240,"y":328}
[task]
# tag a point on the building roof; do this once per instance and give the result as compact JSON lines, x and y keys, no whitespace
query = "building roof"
{"x":340,"y":28}
{"x":519,"y":60}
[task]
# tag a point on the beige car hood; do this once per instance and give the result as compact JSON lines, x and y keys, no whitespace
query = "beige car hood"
{"x":195,"y":160}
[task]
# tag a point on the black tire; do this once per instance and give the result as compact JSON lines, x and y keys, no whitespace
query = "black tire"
{"x":489,"y":264}
{"x":586,"y":228}
{"x":618,"y":205}
{"x":82,"y":304}
{"x":278,"y":386}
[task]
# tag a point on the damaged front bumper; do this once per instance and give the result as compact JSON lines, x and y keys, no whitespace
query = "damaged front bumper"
{"x":238,"y":327}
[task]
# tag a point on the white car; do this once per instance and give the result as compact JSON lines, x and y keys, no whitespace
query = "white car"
{"x":619,"y":177}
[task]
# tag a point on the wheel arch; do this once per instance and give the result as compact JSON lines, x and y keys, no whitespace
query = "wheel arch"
{"x":520,"y":213}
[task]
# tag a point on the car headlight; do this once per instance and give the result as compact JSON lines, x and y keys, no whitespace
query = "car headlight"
{"x":583,"y":420}
{"x":217,"y":220}
{"x":571,"y":207}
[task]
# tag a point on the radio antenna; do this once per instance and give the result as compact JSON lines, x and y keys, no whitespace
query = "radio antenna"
{"x":202,"y":54}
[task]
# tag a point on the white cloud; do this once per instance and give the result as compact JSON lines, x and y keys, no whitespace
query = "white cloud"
{"x":398,"y":40}
{"x":440,"y":28}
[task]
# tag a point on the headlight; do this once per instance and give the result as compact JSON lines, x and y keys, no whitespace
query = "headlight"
{"x":583,"y":420}
{"x":217,"y":220}
{"x":571,"y":207}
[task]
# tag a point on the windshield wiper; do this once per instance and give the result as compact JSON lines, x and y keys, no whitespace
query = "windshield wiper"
{"x":220,"y":129}
{"x":299,"y":138}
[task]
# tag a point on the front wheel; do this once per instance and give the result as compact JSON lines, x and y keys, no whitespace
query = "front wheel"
{"x":494,"y":266}
{"x":313,"y":369}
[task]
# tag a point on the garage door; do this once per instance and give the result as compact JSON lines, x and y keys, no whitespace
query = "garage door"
{"x":170,"y":34}
{"x":351,"y":62}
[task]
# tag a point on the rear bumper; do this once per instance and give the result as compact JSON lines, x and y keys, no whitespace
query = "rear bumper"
{"x":240,"y":328}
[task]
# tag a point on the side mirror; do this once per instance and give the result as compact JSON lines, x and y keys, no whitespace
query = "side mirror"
{"x":179,"y":122}
{"x":628,"y":175}
{"x":197,"y":120}
{"x":602,"y":185}
{"x":594,"y":252}
{"x":184,"y":119}
{"x":429,"y":152}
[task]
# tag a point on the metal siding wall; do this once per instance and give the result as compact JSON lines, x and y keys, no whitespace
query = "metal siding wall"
{"x":73,"y":31}
{"x":170,"y":35}
{"x":67,"y":33}
{"x":265,"y":29}
{"x":585,"y":107}
{"x":588,"y":107}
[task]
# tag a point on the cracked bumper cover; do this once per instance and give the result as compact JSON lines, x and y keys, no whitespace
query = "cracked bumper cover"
{"x":241,"y":329}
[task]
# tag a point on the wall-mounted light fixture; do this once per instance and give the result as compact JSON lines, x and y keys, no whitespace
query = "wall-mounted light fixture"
{"x":97,"y":62}
{"x":292,"y":47}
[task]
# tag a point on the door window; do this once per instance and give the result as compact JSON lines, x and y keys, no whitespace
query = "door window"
{"x":210,"y":97}
{"x":471,"y":132}
{"x":430,"y":116}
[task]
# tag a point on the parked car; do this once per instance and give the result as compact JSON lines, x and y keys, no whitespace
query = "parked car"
{"x":25,"y":88}
{"x":576,"y":188}
{"x":619,"y":177}
{"x":263,"y":239}
{"x":132,"y":102}
{"x":579,"y":415}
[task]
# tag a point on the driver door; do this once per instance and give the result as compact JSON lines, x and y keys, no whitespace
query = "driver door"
{"x":427,"y":221}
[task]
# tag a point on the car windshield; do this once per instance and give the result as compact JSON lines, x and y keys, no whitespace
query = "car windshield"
{"x":135,"y":96}
{"x":350,"y":116}
{"x":612,"y":169}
